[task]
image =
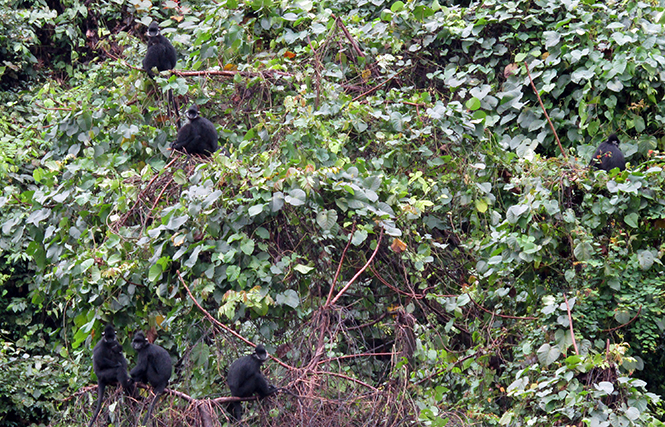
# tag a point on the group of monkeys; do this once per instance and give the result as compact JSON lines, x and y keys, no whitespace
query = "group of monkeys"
{"x":153,"y":367}
{"x":199,"y":136}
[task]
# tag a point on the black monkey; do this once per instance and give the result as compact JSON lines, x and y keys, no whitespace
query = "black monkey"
{"x":199,"y":136}
{"x":245,"y":379}
{"x":109,"y":365}
{"x":152,"y":367}
{"x":608,"y":155}
{"x":160,"y":54}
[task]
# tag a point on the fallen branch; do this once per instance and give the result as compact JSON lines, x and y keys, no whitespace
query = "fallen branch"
{"x":378,"y":86}
{"x":394,"y":288}
{"x":351,"y":40}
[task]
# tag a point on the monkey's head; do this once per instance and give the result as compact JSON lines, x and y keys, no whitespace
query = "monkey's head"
{"x":260,"y":353}
{"x":109,"y":333}
{"x":153,"y":29}
{"x":613,"y":139}
{"x":193,"y":112}
{"x":139,"y":342}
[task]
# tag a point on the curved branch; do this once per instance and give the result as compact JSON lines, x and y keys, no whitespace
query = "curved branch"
{"x":339,"y":266}
{"x":223,"y":326}
{"x":570,"y":323}
{"x":504,"y":316}
{"x":353,"y":279}
{"x":625,"y":324}
{"x":545,"y":111}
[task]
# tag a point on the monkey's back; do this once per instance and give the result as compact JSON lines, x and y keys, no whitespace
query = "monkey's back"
{"x":607,"y":157}
{"x":161,"y":54}
{"x":241,"y":373}
{"x":197,"y":137}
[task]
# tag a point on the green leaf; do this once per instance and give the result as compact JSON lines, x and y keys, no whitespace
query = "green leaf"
{"x":398,"y":6}
{"x":359,"y":237}
{"x":155,"y":272}
{"x":255,"y":210}
{"x":605,"y":386}
{"x":247,"y":246}
{"x":288,"y":297}
{"x":583,"y":251}
{"x":277,"y":201}
{"x":646,"y":259}
{"x":631,"y":219}
{"x":473,"y":104}
{"x":232,"y":273}
{"x":296,"y":197}
{"x":303,"y":269}
{"x":327,"y":219}
{"x":552,"y":38}
{"x":481,"y":205}
{"x":615,"y":85}
{"x":548,"y":354}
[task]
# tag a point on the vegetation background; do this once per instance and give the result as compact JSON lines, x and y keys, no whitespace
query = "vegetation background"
{"x":394,"y":219}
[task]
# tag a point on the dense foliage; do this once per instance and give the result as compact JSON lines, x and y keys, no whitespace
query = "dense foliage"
{"x":390,"y":188}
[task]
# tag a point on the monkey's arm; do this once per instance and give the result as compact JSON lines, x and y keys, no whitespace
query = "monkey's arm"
{"x":141,"y":368}
{"x":186,"y":136}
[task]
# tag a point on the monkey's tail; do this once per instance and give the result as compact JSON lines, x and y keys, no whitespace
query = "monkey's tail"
{"x":172,"y":103}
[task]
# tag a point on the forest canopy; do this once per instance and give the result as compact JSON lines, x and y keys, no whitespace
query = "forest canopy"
{"x":401,"y":210}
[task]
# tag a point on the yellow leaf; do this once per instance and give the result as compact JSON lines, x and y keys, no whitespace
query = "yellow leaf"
{"x":398,"y":246}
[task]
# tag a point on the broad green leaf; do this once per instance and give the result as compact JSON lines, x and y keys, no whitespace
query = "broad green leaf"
{"x":303,"y":269}
{"x":583,"y":251}
{"x":605,"y":386}
{"x":255,"y":210}
{"x":548,"y":354}
{"x":473,"y":104}
{"x":155,"y":272}
{"x":646,"y":259}
{"x":631,"y":219}
{"x":288,"y":297}
{"x":481,"y":205}
{"x":359,"y":237}
{"x":327,"y":219}
{"x":296,"y":197}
